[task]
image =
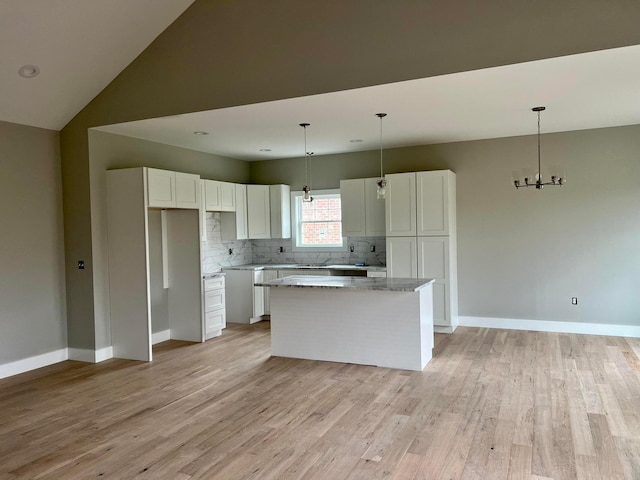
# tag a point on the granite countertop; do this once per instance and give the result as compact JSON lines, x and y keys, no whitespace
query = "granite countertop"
{"x":358,"y":283}
{"x":207,"y":276}
{"x":295,"y":266}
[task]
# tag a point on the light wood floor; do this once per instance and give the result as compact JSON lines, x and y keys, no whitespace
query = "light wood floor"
{"x":492,"y":404}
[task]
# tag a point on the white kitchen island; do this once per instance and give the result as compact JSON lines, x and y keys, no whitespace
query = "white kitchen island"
{"x":387,"y":322}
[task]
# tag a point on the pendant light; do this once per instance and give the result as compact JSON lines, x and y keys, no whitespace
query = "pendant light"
{"x":539,"y":183}
{"x":381,"y":190}
{"x":307,"y":188}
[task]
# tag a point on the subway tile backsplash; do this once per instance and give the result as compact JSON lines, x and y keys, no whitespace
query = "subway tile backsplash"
{"x":215,"y":252}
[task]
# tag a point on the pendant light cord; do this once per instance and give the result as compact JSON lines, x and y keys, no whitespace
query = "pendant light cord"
{"x":381,"y":116}
{"x":306,"y":159}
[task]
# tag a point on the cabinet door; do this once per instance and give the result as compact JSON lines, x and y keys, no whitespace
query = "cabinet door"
{"x":373,"y":209}
{"x":258,"y":294}
{"x":161,"y":188}
{"x":433,"y":257}
{"x":212,"y":195}
{"x":187,"y":190}
{"x":280,"y":199}
{"x":258,"y":211}
{"x":352,"y":198}
{"x":227,"y":196}
{"x":402,"y":253}
{"x":400,"y":205}
{"x":266,"y":276}
{"x":242,"y":232}
{"x":433,"y":203}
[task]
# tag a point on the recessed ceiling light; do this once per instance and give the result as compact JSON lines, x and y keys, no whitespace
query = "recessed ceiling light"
{"x":265,"y":149}
{"x":29,"y":71}
{"x":355,"y":140}
{"x":200,"y":132}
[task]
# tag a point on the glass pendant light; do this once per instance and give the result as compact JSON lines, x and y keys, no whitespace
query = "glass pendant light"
{"x":381,"y":190}
{"x":307,"y":188}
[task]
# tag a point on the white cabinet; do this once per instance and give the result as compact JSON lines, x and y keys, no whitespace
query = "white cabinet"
{"x":402,"y":257}
{"x":280,"y":214}
{"x":436,"y":197}
{"x":434,"y":261}
{"x":161,"y":188}
{"x":362,"y":212}
{"x":187,"y":190}
{"x":374,"y":209}
{"x":258,"y":211}
{"x":268,"y":275}
{"x":430,"y":251}
{"x":400,"y":205}
{"x":166,"y":189}
{"x":220,"y":196}
{"x":233,"y":225}
{"x":214,"y":306}
{"x":244,"y":301}
{"x":353,"y":207}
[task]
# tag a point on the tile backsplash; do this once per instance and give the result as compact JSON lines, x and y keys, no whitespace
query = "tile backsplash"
{"x":216,"y":256}
{"x":268,"y":251}
{"x":215,"y":252}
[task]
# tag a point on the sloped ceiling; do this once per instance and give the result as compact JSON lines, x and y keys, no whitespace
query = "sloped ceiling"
{"x":78,"y":45}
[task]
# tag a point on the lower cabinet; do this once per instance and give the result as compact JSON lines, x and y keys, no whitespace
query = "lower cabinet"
{"x":244,"y":301}
{"x":268,"y":275}
{"x":214,"y":306}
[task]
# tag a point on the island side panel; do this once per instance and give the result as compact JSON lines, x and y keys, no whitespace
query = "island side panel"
{"x":382,"y":328}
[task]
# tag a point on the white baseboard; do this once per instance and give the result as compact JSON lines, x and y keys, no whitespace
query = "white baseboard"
{"x":90,"y":356}
{"x":162,"y":336}
{"x":31,"y":363}
{"x":552,"y":326}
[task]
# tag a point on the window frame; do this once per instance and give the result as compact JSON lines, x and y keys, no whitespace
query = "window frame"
{"x":296,"y":200}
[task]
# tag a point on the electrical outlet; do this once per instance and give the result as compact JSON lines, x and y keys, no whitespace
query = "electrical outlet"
{"x":80,"y":264}
{"x":231,"y":251}
{"x":281,"y":249}
{"x":351,"y":248}
{"x":574,"y":300}
{"x":373,"y":248}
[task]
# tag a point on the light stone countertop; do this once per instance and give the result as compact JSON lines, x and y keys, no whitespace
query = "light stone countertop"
{"x":207,"y":276}
{"x":358,"y":283}
{"x":292,"y":266}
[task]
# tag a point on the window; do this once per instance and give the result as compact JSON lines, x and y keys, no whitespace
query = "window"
{"x":317,"y":225}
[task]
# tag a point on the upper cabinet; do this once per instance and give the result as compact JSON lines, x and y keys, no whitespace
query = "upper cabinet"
{"x":233,"y":225}
{"x":219,"y":196}
{"x":280,"y":200}
{"x":166,"y":189}
{"x":258,"y":211}
{"x":362,"y":212}
{"x":400,"y":205}
{"x":436,"y":192}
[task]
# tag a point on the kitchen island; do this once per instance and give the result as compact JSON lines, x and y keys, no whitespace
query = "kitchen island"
{"x":387,"y":322}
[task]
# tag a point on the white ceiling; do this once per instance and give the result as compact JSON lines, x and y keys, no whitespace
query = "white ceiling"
{"x":592,"y":90}
{"x":80,"y":46}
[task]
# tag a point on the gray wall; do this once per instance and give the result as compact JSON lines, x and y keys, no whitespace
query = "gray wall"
{"x":524,"y":254}
{"x":32,"y":295}
{"x":222,"y":53}
{"x":108,"y":151}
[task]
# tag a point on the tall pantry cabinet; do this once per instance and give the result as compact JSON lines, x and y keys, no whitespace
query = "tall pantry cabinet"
{"x":421,"y":236}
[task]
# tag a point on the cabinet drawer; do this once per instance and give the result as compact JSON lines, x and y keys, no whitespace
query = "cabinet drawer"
{"x":213,"y":300}
{"x":215,"y":320}
{"x":213,"y":283}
